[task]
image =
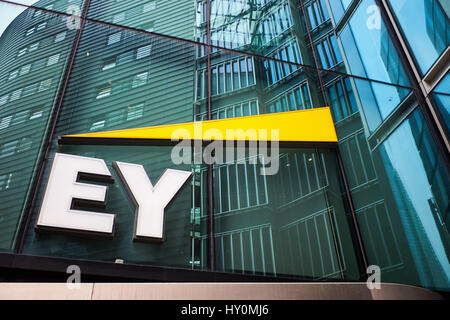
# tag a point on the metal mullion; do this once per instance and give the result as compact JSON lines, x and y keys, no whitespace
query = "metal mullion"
{"x":263,"y":260}
{"x":324,"y":172}
{"x":265,"y":189}
{"x":318,"y":242}
{"x":300,"y":88}
{"x":346,"y":98}
{"x":431,"y":115}
{"x":238,"y":189}
{"x":246,"y":71}
{"x":310,"y":250}
{"x":223,"y":252}
{"x":228,"y":188}
{"x":329,"y":243}
{"x":291,"y":189}
{"x":305,"y":163}
{"x":242,"y":252}
{"x":354,"y":220}
{"x":331,"y":48}
{"x":224,"y":65}
{"x":192,"y":251}
{"x":338,"y":102}
{"x":256,"y":184}
{"x":298,"y":175}
{"x":254,"y":76}
{"x":196,"y":43}
{"x":272,"y":252}
{"x":239,"y":72}
{"x":383,"y":239}
{"x":347,"y":146}
{"x":204,"y":83}
{"x":232,"y":252}
{"x":251,"y":250}
{"x":219,"y":176}
{"x":302,"y":263}
{"x":246,"y":183}
{"x":232,"y":73}
{"x":202,"y":252}
{"x":210,"y":166}
{"x":308,"y":31}
{"x":202,"y":193}
{"x":31,"y":197}
{"x":369,"y":233}
{"x":315,"y":169}
{"x":362,"y":162}
{"x":392,"y":228}
{"x":290,"y":249}
{"x":342,"y":174}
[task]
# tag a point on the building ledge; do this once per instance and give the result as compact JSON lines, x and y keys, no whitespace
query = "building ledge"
{"x":212,"y":291}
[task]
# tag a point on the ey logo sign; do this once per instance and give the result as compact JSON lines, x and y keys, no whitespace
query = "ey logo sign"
{"x":66,"y":195}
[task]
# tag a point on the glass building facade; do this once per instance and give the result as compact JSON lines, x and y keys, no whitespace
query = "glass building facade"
{"x":380,"y":197}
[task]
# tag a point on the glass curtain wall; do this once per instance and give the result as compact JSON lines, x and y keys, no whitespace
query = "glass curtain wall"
{"x":136,"y":65}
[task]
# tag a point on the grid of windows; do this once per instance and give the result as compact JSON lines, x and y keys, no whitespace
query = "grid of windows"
{"x":5,"y":181}
{"x":34,"y":66}
{"x":117,"y":37}
{"x":328,"y":51}
{"x":297,"y":98}
{"x":275,"y":24}
{"x":301,"y":174}
{"x":243,"y":109}
{"x":239,"y":32}
{"x":38,"y":27}
{"x":275,"y":70}
{"x":246,"y":250}
{"x":233,"y":35}
{"x":134,"y":12}
{"x":376,"y":223}
{"x":10,"y":148}
{"x":355,"y":151}
{"x":342,"y":99}
{"x":117,"y":117}
{"x":42,"y":43}
{"x":27,"y":91}
{"x":317,"y":13}
{"x":239,"y":186}
{"x":125,"y":57}
{"x":226,"y":77}
{"x":313,"y":251}
{"x":118,"y":86}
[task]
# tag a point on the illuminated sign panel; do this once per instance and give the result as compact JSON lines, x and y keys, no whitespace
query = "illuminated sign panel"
{"x":66,"y":196}
{"x":65,"y":193}
{"x":304,"y":126}
{"x":150,"y":200}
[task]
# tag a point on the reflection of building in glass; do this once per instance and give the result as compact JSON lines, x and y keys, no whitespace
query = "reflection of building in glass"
{"x":297,"y":223}
{"x":437,"y":25}
{"x":33,"y":54}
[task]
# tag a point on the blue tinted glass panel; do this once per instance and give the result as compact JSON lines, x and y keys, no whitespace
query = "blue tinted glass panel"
{"x":370,"y":53}
{"x":416,"y":174}
{"x":426,"y":26}
{"x":442,"y":98}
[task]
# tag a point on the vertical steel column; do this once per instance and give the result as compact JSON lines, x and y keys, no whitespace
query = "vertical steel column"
{"x":355,"y":225}
{"x":354,"y":222}
{"x":211,"y":244}
{"x":25,"y":221}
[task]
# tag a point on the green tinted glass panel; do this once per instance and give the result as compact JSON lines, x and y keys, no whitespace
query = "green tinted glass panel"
{"x":31,"y":69}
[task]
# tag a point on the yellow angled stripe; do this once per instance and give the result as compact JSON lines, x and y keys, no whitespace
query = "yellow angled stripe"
{"x":312,"y":125}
